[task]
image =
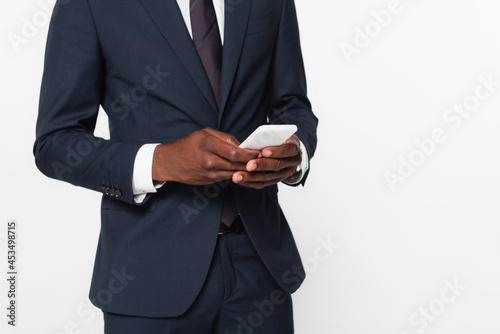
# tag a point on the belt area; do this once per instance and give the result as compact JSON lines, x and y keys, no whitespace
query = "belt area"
{"x":236,"y":227}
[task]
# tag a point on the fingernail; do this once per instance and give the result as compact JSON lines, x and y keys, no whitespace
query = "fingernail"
{"x":267,"y":153}
{"x":239,"y":178}
{"x":253,"y":167}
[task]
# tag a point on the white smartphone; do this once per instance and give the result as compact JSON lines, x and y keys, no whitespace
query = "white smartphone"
{"x":268,"y":135}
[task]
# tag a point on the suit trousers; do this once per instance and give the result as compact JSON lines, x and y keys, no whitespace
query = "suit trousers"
{"x":239,"y":296}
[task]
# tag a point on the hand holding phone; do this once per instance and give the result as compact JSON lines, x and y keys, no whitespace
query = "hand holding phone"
{"x":268,"y":135}
{"x":280,"y":157}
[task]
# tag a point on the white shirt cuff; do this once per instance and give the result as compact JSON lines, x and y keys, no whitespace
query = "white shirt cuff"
{"x":142,"y":177}
{"x":304,"y":165}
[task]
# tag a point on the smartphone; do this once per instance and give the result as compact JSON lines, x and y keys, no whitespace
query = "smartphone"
{"x":268,"y":135}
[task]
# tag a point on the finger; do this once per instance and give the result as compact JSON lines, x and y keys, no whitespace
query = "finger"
{"x":223,"y":136}
{"x":216,"y":163}
{"x":231,"y":152}
{"x":209,"y":178}
{"x":287,"y":149}
{"x":222,"y":176}
{"x":267,"y":164}
{"x":221,"y":148}
{"x":290,"y":147}
{"x":260,"y":185}
{"x":262,"y":178}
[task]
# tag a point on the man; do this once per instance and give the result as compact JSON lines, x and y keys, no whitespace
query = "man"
{"x":192,"y":239}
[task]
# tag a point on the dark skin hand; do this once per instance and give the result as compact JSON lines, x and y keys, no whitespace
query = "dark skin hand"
{"x":207,"y":156}
{"x":202,"y":157}
{"x":278,"y":163}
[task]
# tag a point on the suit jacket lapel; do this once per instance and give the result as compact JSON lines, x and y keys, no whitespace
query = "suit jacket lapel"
{"x":235,"y":27}
{"x":168,"y":19}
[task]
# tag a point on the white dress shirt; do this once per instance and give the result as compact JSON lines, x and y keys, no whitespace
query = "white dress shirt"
{"x":142,"y":178}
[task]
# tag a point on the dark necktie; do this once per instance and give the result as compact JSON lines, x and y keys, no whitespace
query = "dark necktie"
{"x":206,"y":38}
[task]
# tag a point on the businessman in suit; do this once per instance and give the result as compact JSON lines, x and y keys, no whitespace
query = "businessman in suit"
{"x":192,"y":239}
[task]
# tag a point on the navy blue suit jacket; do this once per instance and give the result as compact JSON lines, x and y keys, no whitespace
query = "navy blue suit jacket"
{"x":136,"y":59}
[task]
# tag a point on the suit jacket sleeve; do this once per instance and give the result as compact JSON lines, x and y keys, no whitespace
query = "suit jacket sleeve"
{"x":290,"y":104}
{"x":71,"y":92}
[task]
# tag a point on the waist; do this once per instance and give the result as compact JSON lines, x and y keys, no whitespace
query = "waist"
{"x":236,"y":227}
